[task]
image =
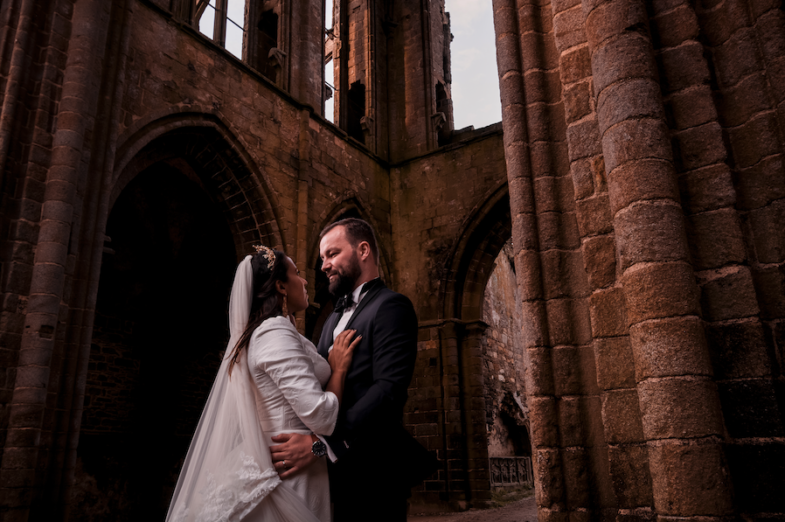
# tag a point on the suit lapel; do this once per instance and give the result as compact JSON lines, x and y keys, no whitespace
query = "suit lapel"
{"x":327,"y":330}
{"x":370,"y":296}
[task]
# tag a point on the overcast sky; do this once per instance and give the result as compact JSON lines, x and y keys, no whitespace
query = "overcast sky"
{"x":475,"y":83}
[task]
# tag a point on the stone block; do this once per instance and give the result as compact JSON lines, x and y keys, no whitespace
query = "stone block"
{"x":674,"y":27}
{"x":708,"y":188}
{"x":761,"y":184}
{"x":691,"y":108}
{"x":656,"y":291}
{"x":608,"y":313}
{"x":630,"y":99}
{"x":679,"y":407}
{"x":594,"y":216}
{"x":577,"y":100}
{"x":766,"y":227}
{"x":544,"y":422}
{"x":577,"y":473}
{"x":566,"y":363}
{"x":700,"y":146}
{"x":738,"y":350}
{"x":728,"y":294}
{"x":582,"y":178}
{"x":615,"y":364}
{"x":669,"y":347}
{"x":575,"y":65}
{"x":548,"y":481}
{"x":682,"y":67}
{"x":770,"y":289}
{"x":715,"y":239}
{"x":563,"y":274}
{"x":750,"y":408}
{"x":621,"y":417}
{"x":634,"y":140}
{"x":583,"y":139}
{"x":572,"y":425}
{"x":755,"y":140}
{"x":630,"y":476}
{"x":689,"y":480}
{"x":568,"y":28}
{"x":538,"y":371}
{"x":599,"y":258}
{"x":651,"y":231}
{"x":641,"y":180}
{"x":612,"y":19}
{"x":732,"y":58}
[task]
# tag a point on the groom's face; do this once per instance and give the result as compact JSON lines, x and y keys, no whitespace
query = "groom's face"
{"x":339,"y":261}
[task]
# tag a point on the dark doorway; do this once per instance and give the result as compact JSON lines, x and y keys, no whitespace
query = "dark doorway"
{"x":267,"y":41}
{"x":159,"y":332}
{"x":356,"y":99}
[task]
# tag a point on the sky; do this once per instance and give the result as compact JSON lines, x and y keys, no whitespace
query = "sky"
{"x":475,"y":82}
{"x":475,"y":85}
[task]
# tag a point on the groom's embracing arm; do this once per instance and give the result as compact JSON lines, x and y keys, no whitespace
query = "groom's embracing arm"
{"x":394,"y":352}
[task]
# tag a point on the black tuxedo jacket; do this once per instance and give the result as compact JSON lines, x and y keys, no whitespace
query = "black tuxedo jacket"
{"x":375,"y":391}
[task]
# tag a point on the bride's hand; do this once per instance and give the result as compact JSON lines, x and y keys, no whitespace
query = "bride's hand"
{"x":341,"y":355}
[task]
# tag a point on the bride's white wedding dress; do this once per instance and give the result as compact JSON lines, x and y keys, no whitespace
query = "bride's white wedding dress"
{"x":275,"y":387}
{"x":289,"y":375}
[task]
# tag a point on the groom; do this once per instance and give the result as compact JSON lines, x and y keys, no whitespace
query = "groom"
{"x":369,"y":451}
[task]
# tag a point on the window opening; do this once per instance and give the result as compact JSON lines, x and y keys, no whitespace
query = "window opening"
{"x":475,"y":84}
{"x":329,"y":66}
{"x":223,"y":21}
{"x":356,"y":99}
{"x":267,"y":41}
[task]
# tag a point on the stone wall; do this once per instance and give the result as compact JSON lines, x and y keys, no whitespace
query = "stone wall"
{"x":506,"y":413}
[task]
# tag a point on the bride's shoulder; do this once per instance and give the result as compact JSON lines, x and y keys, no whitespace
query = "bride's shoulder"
{"x":272,"y":324}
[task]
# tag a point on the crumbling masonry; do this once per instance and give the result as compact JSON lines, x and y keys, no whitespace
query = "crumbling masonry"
{"x":639,"y":170}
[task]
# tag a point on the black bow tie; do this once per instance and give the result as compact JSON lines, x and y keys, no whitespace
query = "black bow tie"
{"x":343,"y":303}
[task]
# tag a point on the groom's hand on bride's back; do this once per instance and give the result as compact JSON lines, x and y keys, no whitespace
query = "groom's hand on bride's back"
{"x":292,"y":453}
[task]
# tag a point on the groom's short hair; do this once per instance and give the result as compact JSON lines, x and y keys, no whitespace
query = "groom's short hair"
{"x":357,"y":231}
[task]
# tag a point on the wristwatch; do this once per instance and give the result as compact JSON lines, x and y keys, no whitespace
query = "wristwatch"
{"x":319,"y":448}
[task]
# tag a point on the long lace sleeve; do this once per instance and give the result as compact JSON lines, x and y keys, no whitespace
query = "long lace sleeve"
{"x":276,"y":350}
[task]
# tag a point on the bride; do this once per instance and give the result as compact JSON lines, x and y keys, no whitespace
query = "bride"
{"x":272,"y":381}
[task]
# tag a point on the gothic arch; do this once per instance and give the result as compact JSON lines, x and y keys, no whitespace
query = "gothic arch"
{"x":471,"y":259}
{"x":204,"y":148}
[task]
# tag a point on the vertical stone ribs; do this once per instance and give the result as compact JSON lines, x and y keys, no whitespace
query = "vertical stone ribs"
{"x":722,"y":77}
{"x":681,"y":418}
{"x":536,"y":60}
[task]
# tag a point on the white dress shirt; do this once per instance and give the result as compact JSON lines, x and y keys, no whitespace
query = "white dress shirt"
{"x":357,"y":296}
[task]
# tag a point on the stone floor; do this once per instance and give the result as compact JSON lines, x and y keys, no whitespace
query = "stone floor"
{"x":524,"y":510}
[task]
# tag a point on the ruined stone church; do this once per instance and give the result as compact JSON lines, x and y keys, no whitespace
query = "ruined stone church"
{"x":599,"y":279}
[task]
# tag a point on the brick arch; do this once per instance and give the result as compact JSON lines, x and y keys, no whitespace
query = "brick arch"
{"x":469,"y":265}
{"x":204,"y":149}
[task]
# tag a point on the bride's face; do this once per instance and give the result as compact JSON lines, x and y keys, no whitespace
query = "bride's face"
{"x":296,"y":288}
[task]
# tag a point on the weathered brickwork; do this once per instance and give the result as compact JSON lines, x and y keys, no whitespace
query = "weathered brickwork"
{"x":638,"y":171}
{"x":506,"y":413}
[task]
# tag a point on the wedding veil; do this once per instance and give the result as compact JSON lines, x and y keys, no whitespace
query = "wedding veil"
{"x":228,"y":472}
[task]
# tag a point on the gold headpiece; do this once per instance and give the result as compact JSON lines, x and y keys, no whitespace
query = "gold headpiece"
{"x":269,"y":254}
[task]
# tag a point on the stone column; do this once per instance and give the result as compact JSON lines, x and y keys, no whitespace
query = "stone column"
{"x":546,"y":455}
{"x":681,"y":417}
{"x":33,"y":377}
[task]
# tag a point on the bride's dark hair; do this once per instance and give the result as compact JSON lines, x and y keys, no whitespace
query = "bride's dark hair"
{"x":265,"y":302}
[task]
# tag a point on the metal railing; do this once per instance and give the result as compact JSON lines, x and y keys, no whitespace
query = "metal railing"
{"x":511,"y":471}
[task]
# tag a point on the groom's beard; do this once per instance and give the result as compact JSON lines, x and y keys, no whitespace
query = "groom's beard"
{"x":345,"y":278}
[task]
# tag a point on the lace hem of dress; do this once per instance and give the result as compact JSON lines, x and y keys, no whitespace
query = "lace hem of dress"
{"x":234,"y":497}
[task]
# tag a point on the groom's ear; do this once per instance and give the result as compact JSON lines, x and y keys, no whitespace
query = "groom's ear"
{"x":365,"y":249}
